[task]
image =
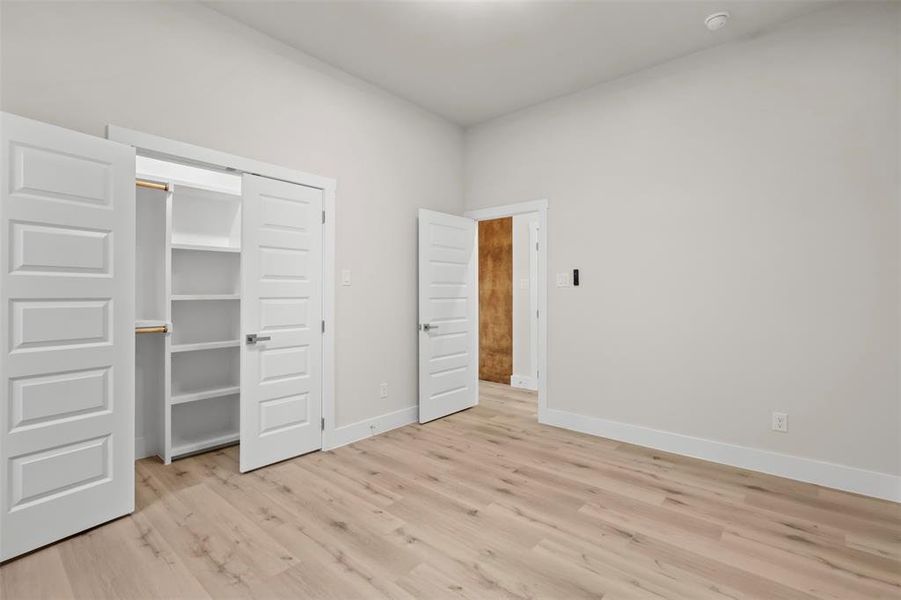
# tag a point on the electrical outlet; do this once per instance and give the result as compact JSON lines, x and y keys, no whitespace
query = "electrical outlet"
{"x":563,"y":279}
{"x":383,"y":390}
{"x":780,"y":422}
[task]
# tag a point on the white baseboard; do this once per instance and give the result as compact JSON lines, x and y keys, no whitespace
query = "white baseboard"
{"x":348,"y":434}
{"x":525,"y":382}
{"x":850,"y":479}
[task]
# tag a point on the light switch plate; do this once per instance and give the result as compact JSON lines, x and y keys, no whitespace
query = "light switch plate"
{"x":345,"y":276}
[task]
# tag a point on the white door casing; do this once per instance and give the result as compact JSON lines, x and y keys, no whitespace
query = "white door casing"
{"x":533,"y":302}
{"x":67,"y":308}
{"x":448,"y":314}
{"x":281,"y":299}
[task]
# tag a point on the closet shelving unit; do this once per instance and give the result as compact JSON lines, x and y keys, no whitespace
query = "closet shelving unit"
{"x":198,"y":251}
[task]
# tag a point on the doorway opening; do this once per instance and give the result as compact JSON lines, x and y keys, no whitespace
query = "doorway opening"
{"x":512,"y":294}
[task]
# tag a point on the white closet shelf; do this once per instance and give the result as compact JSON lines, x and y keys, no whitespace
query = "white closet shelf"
{"x":222,"y":438}
{"x":152,"y":323}
{"x":205,"y":346}
{"x":206,"y":248}
{"x":205,"y":394}
{"x":186,"y":297}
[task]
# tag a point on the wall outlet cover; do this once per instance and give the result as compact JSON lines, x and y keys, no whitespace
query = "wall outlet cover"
{"x":780,"y":422}
{"x":563,"y":279}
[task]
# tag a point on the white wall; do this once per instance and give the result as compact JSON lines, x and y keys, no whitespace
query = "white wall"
{"x":735,"y":216}
{"x":188,"y":73}
{"x":522,"y":305}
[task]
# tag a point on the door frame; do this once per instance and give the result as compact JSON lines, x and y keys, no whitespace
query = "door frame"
{"x":534,"y":258}
{"x":156,"y":146}
{"x":510,"y":210}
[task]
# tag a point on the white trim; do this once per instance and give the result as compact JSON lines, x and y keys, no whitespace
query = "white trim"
{"x":160,"y":147}
{"x":157,"y":147}
{"x":507,"y":210}
{"x":851,"y":479}
{"x":348,"y":434}
{"x":533,"y":302}
{"x":520,"y":208}
{"x":328,"y":315}
{"x":523,"y":382}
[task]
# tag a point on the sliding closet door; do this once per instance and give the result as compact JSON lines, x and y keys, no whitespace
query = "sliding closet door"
{"x":281,"y":316}
{"x":67,"y":307}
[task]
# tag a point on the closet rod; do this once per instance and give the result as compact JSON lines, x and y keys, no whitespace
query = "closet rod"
{"x":153,"y":185}
{"x":154,"y":329}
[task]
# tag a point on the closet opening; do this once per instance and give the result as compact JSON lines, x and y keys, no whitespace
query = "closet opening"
{"x":234,"y":290}
{"x":188,"y":285}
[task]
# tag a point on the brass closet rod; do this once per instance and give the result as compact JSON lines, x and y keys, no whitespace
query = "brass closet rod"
{"x":153,"y":185}
{"x":153,"y":329}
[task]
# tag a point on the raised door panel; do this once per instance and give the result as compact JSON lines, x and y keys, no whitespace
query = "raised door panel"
{"x":45,"y":400}
{"x":64,"y":250}
{"x":67,"y":308}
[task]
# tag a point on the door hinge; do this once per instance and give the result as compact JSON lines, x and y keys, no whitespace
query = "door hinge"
{"x":323,"y":423}
{"x":323,"y":217}
{"x":323,"y":327}
{"x":536,"y":245}
{"x":537,"y":314}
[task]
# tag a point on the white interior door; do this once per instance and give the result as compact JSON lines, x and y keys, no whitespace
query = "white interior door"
{"x":281,"y":304}
{"x":448,"y":315}
{"x":67,"y":292}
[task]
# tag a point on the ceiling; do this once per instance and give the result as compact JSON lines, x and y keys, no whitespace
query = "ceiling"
{"x":470,"y":61}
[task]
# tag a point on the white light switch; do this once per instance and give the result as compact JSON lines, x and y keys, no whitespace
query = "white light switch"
{"x":345,"y":276}
{"x":563,"y":279}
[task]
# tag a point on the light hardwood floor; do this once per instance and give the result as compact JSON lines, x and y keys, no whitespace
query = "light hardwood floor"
{"x":483,"y":504}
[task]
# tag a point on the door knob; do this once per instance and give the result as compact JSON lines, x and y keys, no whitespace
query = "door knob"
{"x":253,"y":338}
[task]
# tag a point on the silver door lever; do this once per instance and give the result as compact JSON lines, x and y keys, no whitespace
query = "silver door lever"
{"x":253,"y":338}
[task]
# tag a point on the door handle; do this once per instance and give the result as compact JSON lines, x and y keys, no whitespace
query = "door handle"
{"x":428,"y":327}
{"x":253,"y":338}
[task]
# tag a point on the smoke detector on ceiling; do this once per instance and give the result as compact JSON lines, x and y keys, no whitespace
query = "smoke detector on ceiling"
{"x":716,"y":21}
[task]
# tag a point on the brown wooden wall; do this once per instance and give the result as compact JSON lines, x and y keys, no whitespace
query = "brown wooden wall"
{"x":496,"y":300}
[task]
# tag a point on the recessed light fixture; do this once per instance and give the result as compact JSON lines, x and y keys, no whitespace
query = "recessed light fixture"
{"x":716,"y":21}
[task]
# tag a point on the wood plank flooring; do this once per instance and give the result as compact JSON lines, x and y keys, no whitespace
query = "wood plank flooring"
{"x":483,"y":504}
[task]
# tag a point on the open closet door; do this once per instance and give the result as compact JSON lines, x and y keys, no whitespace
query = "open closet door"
{"x":281,"y":316}
{"x":67,"y":293}
{"x":448,"y":315}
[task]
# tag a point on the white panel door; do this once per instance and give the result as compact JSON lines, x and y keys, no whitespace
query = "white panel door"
{"x":67,"y":306}
{"x":281,"y":304}
{"x":448,"y":315}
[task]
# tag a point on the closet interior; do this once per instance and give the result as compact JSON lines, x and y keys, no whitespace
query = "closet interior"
{"x":188,"y":285}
